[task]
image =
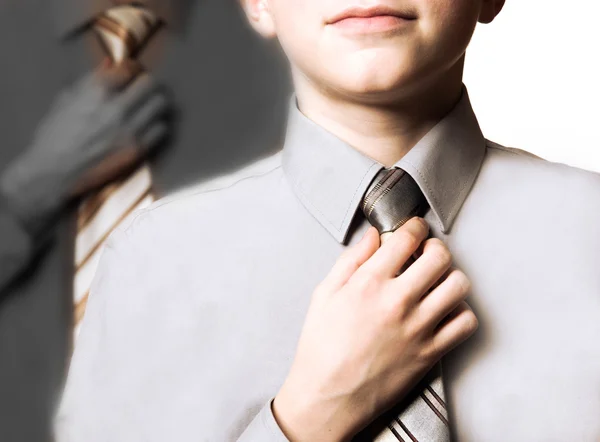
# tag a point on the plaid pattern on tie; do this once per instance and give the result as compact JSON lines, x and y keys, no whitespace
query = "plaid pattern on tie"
{"x":392,"y":199}
{"x":122,"y":31}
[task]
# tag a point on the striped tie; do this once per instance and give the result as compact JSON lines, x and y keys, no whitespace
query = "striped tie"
{"x":391,"y":200}
{"x":122,"y":31}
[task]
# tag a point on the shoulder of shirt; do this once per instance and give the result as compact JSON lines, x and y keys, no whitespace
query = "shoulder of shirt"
{"x":553,"y":172}
{"x":513,"y":150}
{"x":196,"y":195}
{"x":540,"y":161}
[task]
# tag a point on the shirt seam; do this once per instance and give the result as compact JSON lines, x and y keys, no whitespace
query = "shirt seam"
{"x":513,"y":150}
{"x":199,"y":192}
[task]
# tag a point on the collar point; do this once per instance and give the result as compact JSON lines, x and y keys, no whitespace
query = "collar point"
{"x":446,"y":223}
{"x":340,"y":235}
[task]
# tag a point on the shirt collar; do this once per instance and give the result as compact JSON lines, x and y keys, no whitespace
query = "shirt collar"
{"x":330,"y":177}
{"x":73,"y":15}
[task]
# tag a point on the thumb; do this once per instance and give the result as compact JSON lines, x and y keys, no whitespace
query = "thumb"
{"x":351,"y":259}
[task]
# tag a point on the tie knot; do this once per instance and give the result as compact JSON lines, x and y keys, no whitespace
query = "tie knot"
{"x":124,"y":30}
{"x":392,"y":199}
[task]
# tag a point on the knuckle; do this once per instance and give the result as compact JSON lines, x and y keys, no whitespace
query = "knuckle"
{"x":430,"y":353}
{"x":470,"y":323}
{"x":409,"y":239}
{"x":402,"y":305}
{"x":460,"y":280}
{"x":366,"y":283}
{"x":399,"y":306}
{"x":438,"y":252}
{"x":377,"y":273}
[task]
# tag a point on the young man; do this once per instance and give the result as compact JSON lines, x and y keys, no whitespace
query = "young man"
{"x":201,"y":325}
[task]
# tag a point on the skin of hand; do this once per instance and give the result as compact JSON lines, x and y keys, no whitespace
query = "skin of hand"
{"x":97,"y":129}
{"x":371,"y":334}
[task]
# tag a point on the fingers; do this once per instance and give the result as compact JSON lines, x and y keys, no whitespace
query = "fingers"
{"x":441,"y":301}
{"x":153,"y":109}
{"x":135,"y":94}
{"x":460,"y":324}
{"x":389,"y":258}
{"x":152,"y":136}
{"x":146,"y":107}
{"x":351,"y":259}
{"x":426,"y":270}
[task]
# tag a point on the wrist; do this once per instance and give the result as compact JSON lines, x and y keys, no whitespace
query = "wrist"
{"x":304,"y":417}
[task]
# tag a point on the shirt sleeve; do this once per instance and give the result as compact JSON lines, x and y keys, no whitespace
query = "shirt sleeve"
{"x":264,"y":427}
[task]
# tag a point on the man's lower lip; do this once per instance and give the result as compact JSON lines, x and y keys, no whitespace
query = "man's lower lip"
{"x":379,"y":23}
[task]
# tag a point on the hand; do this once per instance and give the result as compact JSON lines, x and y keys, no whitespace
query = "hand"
{"x":103,"y":125}
{"x":370,"y":336}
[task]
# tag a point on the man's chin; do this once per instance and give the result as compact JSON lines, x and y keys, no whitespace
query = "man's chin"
{"x":379,"y":92}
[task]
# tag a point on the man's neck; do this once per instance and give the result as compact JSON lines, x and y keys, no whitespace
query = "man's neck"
{"x":384,"y":132}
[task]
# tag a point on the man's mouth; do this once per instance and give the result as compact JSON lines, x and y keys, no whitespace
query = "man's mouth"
{"x":372,"y":19}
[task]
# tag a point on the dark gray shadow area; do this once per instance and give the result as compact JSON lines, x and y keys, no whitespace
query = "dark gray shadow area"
{"x":230,"y":89}
{"x":244,"y":85}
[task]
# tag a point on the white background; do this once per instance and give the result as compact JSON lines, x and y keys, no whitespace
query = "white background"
{"x":533,"y":77}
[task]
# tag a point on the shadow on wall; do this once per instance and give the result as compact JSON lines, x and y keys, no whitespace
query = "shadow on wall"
{"x":245,"y":80}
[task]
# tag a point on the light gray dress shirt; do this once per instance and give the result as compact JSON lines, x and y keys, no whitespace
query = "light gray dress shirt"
{"x":198,"y":304}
